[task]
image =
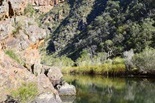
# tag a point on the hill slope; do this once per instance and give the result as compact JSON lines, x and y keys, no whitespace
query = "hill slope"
{"x":111,"y":26}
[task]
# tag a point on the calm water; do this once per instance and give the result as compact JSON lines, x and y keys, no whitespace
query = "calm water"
{"x":112,"y":90}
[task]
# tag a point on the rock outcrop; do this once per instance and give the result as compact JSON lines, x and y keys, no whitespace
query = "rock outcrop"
{"x":12,"y":75}
{"x":11,"y":8}
{"x":21,"y":37}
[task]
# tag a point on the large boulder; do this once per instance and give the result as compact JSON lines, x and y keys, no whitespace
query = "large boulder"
{"x":54,"y":74}
{"x":44,"y":85}
{"x":67,"y":90}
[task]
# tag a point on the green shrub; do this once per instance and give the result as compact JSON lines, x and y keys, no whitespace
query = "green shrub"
{"x":87,"y":59}
{"x":14,"y":56}
{"x":18,"y":27}
{"x":118,"y":60}
{"x":115,"y":66}
{"x":84,"y":59}
{"x":29,"y":10}
{"x":66,"y":61}
{"x":55,"y":61}
{"x":25,"y":93}
{"x":145,"y":60}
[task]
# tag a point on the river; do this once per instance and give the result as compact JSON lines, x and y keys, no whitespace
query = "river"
{"x":98,"y":89}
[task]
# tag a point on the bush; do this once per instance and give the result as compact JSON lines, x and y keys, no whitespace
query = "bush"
{"x":118,"y":60}
{"x":145,"y":61}
{"x":12,"y":55}
{"x":26,"y":92}
{"x":29,"y":10}
{"x":87,"y":59}
{"x":128,"y":55}
{"x":66,"y":61}
{"x":84,"y":59}
{"x":18,"y":27}
{"x":55,"y":61}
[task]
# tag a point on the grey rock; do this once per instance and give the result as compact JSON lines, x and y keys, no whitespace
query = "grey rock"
{"x":67,"y":90}
{"x":47,"y":98}
{"x":68,"y":99}
{"x":54,"y":75}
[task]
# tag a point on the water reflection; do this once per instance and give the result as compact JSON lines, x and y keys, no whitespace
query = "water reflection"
{"x":68,"y":99}
{"x":112,"y":90}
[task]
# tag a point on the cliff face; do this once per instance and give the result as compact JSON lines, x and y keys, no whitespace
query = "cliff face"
{"x":20,"y":59}
{"x":44,"y":2}
{"x":10,"y":8}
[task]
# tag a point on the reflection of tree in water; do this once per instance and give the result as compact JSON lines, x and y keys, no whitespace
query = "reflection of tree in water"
{"x":114,"y":90}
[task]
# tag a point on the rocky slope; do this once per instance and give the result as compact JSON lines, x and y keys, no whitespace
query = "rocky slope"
{"x":10,"y":8}
{"x":20,"y":59}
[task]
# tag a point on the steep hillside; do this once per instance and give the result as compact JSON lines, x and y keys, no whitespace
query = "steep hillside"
{"x":97,"y":26}
{"x":24,"y":79}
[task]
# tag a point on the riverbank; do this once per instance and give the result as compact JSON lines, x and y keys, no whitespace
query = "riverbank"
{"x":104,"y":69}
{"x":114,"y":71}
{"x":138,"y":65}
{"x":109,"y":67}
{"x":108,"y":70}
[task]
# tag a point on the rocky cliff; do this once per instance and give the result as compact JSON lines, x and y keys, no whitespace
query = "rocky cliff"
{"x":10,"y":8}
{"x":20,"y":59}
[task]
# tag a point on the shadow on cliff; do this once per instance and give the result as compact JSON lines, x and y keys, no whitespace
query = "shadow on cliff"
{"x":98,"y":7}
{"x":85,"y":40}
{"x":71,"y":49}
{"x":51,"y":47}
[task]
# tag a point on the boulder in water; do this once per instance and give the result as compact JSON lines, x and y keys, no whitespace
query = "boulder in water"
{"x":67,"y":90}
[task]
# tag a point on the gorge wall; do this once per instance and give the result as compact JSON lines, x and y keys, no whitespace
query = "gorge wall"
{"x":10,"y":8}
{"x":20,"y":59}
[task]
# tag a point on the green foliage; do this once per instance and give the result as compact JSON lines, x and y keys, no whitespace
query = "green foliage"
{"x":29,"y":10}
{"x":18,"y":27}
{"x":66,"y":61}
{"x":118,"y":60}
{"x":14,"y":56}
{"x":26,"y":92}
{"x":145,"y":60}
{"x":87,"y":58}
{"x":109,"y":67}
{"x":55,"y":61}
{"x":84,"y":59}
{"x":111,"y":27}
{"x":115,"y":26}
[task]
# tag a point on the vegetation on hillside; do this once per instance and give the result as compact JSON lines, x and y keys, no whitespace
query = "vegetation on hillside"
{"x":25,"y":93}
{"x":95,"y":31}
{"x":145,"y":60}
{"x":14,"y":56}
